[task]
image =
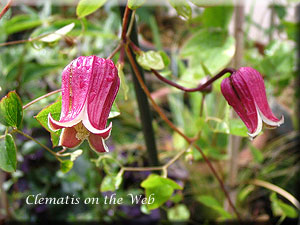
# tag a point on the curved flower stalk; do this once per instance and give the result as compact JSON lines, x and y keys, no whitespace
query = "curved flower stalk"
{"x":89,"y":87}
{"x":245,"y":91}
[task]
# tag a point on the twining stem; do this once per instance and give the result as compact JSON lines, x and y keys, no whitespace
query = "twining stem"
{"x":115,"y":51}
{"x":125,"y":23}
{"x":40,"y":98}
{"x":164,"y":167}
{"x":6,"y":8}
{"x":131,"y":23}
{"x":189,"y":140}
{"x":200,"y":87}
{"x":39,"y":143}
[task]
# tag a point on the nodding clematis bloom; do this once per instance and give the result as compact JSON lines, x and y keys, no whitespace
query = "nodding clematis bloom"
{"x":245,"y":91}
{"x":89,"y":87}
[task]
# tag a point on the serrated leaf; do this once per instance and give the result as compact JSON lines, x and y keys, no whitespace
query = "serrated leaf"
{"x":150,"y":60}
{"x":86,"y":7}
{"x":182,"y":7}
{"x":58,"y":34}
{"x":11,"y":112}
{"x":66,"y":166}
{"x":134,"y":4}
{"x":8,"y":154}
{"x":42,"y":118}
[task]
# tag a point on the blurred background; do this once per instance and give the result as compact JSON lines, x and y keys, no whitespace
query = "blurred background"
{"x":198,"y":40}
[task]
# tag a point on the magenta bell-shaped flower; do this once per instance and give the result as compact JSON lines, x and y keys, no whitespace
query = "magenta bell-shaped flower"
{"x":245,"y":91}
{"x":89,"y":87}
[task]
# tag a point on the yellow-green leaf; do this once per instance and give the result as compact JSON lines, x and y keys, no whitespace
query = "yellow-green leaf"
{"x":86,"y":7}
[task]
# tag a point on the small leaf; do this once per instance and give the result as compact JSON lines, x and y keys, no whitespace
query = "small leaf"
{"x":134,"y":4}
{"x":42,"y":118}
{"x":151,"y":59}
{"x":111,"y":183}
{"x":86,"y":7}
{"x":58,"y":34}
{"x":11,"y":112}
{"x":76,"y":154}
{"x":182,"y":7}
{"x":124,"y":85}
{"x":8,"y":154}
{"x":66,"y":165}
{"x":211,"y":202}
{"x":114,"y":112}
{"x":257,"y":154}
{"x":280,"y":208}
{"x":178,"y":213}
{"x":160,"y":188}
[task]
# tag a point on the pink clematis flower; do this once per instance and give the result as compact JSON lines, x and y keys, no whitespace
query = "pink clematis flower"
{"x":89,"y":87}
{"x":245,"y":91}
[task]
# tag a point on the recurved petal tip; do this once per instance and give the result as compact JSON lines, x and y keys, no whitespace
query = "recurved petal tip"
{"x":97,"y":143}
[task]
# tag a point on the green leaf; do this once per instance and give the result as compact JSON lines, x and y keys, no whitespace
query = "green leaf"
{"x":280,"y":208}
{"x":66,"y":165}
{"x":123,"y":83}
{"x":211,"y":202}
{"x":86,"y":7}
{"x":42,"y":118}
{"x":21,"y":22}
{"x":11,"y":112}
{"x":182,"y":7}
{"x":8,"y":154}
{"x":257,"y":154}
{"x":58,"y":34}
{"x":150,"y":59}
{"x":178,"y":213}
{"x":160,"y":188}
{"x":242,"y":195}
{"x":134,"y":4}
{"x":212,"y":48}
{"x":114,"y":112}
{"x":111,"y":183}
{"x":219,"y":16}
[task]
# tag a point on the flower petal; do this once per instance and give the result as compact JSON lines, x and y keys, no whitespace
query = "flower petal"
{"x":240,"y":106}
{"x":258,"y":91}
{"x":258,"y":127}
{"x":105,"y":84}
{"x":105,"y":133}
{"x":97,"y":143}
{"x":68,"y":138}
{"x":75,"y":88}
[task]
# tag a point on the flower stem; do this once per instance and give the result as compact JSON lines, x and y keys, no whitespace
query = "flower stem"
{"x":200,"y":87}
{"x":189,"y":140}
{"x":39,"y":143}
{"x":6,"y":8}
{"x":143,"y":104}
{"x":40,"y":98}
